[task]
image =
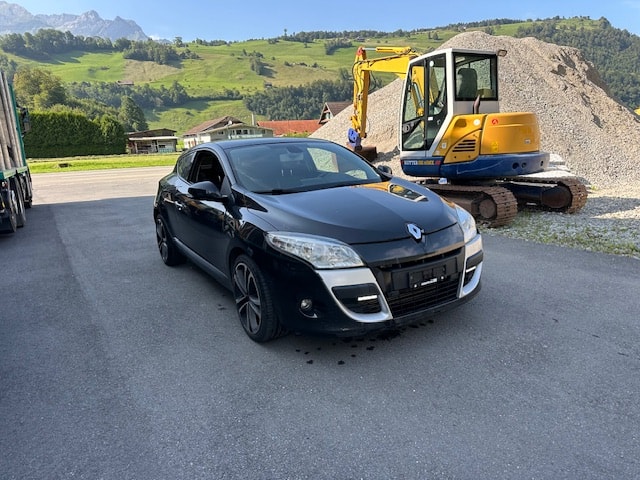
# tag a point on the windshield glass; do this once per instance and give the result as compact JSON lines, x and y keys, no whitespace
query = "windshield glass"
{"x":282,"y":167}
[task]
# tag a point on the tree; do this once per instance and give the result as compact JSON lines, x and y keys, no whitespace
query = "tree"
{"x":131,"y":116}
{"x":112,"y":132}
{"x":38,"y":89}
{"x":122,"y":44}
{"x":13,"y":43}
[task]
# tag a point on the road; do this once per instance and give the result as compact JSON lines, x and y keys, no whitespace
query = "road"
{"x":114,"y":366}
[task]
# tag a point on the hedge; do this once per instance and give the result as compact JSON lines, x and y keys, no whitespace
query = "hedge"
{"x":54,"y":135}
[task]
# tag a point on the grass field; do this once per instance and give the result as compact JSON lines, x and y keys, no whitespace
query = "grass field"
{"x":52,"y":165}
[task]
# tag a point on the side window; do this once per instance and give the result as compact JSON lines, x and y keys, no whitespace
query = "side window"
{"x":206,"y":167}
{"x":476,"y":75}
{"x":183,"y":165}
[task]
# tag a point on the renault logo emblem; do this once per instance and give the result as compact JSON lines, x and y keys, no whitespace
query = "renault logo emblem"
{"x":415,"y":231}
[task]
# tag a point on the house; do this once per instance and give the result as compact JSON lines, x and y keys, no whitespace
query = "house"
{"x":331,"y":109}
{"x":161,"y":140}
{"x":283,"y":128}
{"x":223,"y":128}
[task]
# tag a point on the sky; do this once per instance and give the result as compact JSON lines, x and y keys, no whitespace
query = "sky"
{"x":238,"y":20}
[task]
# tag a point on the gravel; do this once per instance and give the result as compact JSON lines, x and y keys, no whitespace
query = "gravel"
{"x":589,"y":135}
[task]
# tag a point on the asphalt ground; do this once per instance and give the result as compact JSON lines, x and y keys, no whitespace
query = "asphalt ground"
{"x":114,"y":366}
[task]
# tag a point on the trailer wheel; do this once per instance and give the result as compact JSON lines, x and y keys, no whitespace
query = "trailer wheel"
{"x":27,"y":191}
{"x":21,"y":214}
{"x":12,"y":207}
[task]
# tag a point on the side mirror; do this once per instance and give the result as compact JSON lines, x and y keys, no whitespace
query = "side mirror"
{"x":385,"y":169}
{"x":206,"y":191}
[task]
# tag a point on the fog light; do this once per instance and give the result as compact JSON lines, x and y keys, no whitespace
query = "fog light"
{"x":306,"y":305}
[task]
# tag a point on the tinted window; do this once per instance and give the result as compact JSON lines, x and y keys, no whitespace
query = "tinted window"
{"x":183,"y":165}
{"x":206,"y":167}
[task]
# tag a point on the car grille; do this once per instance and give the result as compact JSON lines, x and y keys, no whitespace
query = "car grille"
{"x":417,"y":286}
{"x":408,"y":302}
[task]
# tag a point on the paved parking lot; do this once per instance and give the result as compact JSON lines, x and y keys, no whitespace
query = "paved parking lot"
{"x":115,"y":366}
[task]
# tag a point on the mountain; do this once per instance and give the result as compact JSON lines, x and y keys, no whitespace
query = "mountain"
{"x":16,"y":19}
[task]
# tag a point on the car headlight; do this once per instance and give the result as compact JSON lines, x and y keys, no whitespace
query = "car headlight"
{"x":321,"y":252}
{"x":467,"y":223}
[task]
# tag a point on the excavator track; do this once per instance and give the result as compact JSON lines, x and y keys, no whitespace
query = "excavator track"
{"x":559,"y":194}
{"x":492,"y":206}
{"x":497,"y":204}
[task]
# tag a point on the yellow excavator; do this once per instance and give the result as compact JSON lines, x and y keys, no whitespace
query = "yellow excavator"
{"x":454,"y":138}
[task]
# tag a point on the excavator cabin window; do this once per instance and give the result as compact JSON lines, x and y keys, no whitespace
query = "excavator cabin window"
{"x":476,"y":75}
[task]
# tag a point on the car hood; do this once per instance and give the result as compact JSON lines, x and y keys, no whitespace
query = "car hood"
{"x":377,"y":212}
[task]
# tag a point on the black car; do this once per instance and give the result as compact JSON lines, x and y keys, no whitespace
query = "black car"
{"x":311,"y":237}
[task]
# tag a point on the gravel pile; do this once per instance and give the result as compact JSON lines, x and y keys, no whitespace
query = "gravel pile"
{"x":588,"y":134}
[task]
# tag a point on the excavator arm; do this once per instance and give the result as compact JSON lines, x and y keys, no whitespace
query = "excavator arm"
{"x":395,"y":62}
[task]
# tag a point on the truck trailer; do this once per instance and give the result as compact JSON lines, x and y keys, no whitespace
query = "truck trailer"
{"x":16,"y":193}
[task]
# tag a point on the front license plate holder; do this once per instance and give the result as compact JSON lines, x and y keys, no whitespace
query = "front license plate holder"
{"x":424,"y":276}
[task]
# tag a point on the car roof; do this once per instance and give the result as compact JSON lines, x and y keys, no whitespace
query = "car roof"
{"x":224,"y":144}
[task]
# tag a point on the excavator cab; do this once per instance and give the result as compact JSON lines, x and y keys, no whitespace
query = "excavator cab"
{"x":450,"y":121}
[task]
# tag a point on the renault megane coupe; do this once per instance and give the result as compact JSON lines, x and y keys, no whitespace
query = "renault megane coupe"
{"x":310,"y":237}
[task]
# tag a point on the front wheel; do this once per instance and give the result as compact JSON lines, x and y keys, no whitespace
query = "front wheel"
{"x":168,"y":250}
{"x":11,"y":206}
{"x":254,"y":301}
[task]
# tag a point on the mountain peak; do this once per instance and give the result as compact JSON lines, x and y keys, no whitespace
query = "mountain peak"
{"x":16,"y":19}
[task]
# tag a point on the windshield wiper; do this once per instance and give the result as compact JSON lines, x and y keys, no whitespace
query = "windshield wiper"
{"x":275,"y":191}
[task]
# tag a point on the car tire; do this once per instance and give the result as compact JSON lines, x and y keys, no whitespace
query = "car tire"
{"x":254,"y":301}
{"x":168,"y":251}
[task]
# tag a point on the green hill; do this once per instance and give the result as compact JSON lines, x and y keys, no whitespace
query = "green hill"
{"x":207,"y":69}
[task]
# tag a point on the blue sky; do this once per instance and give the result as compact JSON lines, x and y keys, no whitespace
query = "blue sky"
{"x":246,"y":19}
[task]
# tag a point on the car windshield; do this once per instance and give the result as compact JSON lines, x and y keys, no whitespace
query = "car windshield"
{"x":282,"y":167}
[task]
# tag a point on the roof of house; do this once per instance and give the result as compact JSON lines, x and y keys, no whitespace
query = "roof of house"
{"x":213,"y":124}
{"x":285,"y":127}
{"x":331,"y":109}
{"x":158,"y":132}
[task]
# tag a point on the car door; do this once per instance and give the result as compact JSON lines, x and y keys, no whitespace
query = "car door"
{"x":204,"y":222}
{"x":170,"y":193}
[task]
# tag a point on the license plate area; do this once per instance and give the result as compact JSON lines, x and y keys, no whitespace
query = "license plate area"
{"x":425,"y":275}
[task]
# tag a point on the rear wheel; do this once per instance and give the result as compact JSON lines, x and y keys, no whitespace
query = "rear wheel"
{"x":168,"y":250}
{"x":254,"y":301}
{"x":27,"y":191}
{"x":11,"y":206}
{"x":21,"y":214}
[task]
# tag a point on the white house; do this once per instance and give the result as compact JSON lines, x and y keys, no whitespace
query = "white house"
{"x":224,"y":128}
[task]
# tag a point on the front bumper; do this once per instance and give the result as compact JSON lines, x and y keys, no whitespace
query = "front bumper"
{"x":360,"y":300}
